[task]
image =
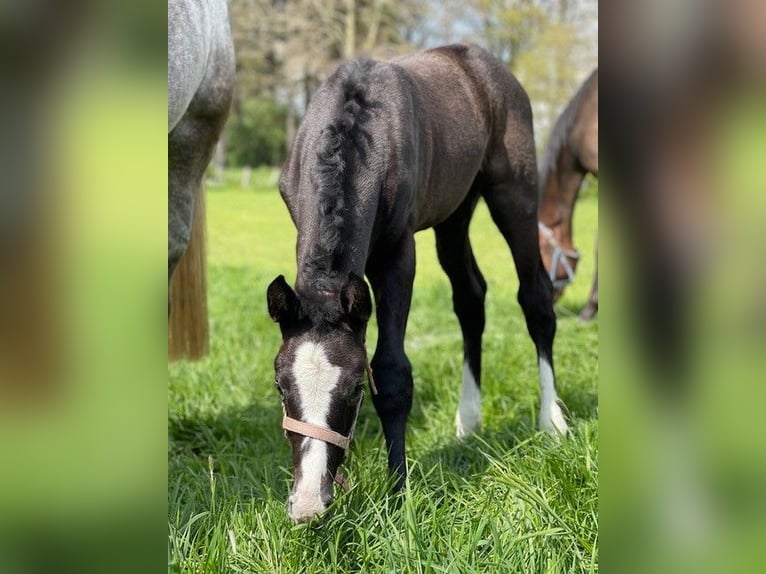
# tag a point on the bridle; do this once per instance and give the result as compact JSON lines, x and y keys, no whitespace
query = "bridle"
{"x":560,"y":257}
{"x":327,"y":435}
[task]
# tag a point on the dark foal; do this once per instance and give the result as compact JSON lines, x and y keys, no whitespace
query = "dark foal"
{"x":571,"y":154}
{"x":385,"y":150}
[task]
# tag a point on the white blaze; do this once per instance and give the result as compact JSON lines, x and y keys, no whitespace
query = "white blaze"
{"x":315,"y":379}
{"x":551,"y":418}
{"x":468,"y":416}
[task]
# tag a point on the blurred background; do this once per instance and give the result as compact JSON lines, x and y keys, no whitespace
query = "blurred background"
{"x":83,"y":145}
{"x":83,"y":229}
{"x":681,"y":371}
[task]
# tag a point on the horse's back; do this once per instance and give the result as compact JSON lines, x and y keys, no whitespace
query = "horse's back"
{"x":432,"y":122}
{"x":484,"y":79}
{"x":200,"y":56}
{"x":478,"y":119}
{"x":584,"y":137}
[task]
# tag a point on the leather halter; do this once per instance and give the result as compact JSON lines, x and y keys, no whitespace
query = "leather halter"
{"x":317,"y":432}
{"x":324,"y":434}
{"x":560,"y":257}
{"x":328,"y":435}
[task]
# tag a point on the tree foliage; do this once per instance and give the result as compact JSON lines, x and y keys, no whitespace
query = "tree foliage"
{"x":286,"y":48}
{"x":258,"y":136}
{"x":551,"y":46}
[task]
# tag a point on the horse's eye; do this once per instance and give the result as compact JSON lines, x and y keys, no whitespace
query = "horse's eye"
{"x":279,"y":388}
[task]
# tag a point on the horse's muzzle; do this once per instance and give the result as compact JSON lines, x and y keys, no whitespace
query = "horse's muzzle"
{"x":304,"y":506}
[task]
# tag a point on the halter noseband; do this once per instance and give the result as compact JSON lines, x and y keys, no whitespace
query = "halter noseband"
{"x":560,"y":257}
{"x":315,"y":431}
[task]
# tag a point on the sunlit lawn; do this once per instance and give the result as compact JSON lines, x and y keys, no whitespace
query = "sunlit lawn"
{"x":508,"y":500}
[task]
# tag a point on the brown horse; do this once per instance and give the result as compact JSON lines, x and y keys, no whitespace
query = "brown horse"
{"x":387,"y":149}
{"x":572,"y":153}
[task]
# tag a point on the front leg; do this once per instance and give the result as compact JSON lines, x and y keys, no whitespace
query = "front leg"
{"x":391,"y":275}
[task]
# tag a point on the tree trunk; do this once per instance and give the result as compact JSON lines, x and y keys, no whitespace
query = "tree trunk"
{"x":374,"y":25}
{"x":349,"y":46}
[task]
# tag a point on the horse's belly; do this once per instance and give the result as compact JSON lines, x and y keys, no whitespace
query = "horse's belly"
{"x":451,"y":179}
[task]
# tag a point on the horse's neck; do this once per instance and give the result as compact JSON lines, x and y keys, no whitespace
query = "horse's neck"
{"x":560,"y":188}
{"x":351,"y":252}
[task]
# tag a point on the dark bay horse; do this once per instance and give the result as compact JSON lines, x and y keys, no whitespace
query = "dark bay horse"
{"x":200,"y":88}
{"x":571,"y":154}
{"x":387,"y":149}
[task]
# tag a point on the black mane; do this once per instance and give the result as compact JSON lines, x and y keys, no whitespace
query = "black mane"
{"x":339,"y":144}
{"x":562,"y":127}
{"x":331,"y":179}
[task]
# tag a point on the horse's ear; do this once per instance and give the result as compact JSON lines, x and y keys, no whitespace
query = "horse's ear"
{"x":356,"y":302}
{"x":284,"y":306}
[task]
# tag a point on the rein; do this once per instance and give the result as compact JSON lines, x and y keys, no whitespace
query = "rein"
{"x":327,"y":435}
{"x":560,"y":257}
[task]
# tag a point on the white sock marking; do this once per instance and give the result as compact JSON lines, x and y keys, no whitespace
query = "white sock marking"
{"x":468,"y":416}
{"x":315,"y":380}
{"x":551,"y":418}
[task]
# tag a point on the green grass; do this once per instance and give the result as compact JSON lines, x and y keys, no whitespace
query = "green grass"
{"x":507,"y":500}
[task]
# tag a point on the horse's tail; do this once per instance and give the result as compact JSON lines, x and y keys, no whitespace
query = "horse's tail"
{"x":187,"y":324}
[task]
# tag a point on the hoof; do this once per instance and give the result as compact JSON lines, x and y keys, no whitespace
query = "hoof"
{"x":553,"y":421}
{"x":466,"y":426}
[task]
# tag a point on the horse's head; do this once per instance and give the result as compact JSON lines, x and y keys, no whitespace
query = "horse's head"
{"x":559,"y":257}
{"x":320,"y":374}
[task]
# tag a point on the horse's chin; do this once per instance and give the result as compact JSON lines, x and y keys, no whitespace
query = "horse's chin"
{"x":307,"y":505}
{"x":301,"y":509}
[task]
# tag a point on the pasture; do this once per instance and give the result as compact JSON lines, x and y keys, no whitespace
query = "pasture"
{"x":509,"y":499}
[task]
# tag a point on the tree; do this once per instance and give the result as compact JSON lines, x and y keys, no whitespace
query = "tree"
{"x":258,"y":137}
{"x":286,"y":48}
{"x":550,"y":45}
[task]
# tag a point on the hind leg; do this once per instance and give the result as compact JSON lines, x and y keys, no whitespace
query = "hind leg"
{"x":189,"y":147}
{"x":469,"y":288}
{"x":392,"y":286}
{"x":513,"y":207}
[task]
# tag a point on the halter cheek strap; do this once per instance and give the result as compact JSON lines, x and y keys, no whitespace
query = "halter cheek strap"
{"x":560,"y":257}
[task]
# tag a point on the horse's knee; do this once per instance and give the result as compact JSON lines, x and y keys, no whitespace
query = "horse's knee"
{"x":536,"y":298}
{"x":393,"y":381}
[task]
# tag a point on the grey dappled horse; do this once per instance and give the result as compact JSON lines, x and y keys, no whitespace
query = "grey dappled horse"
{"x":571,"y":154}
{"x":200,"y":87}
{"x":387,"y":149}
